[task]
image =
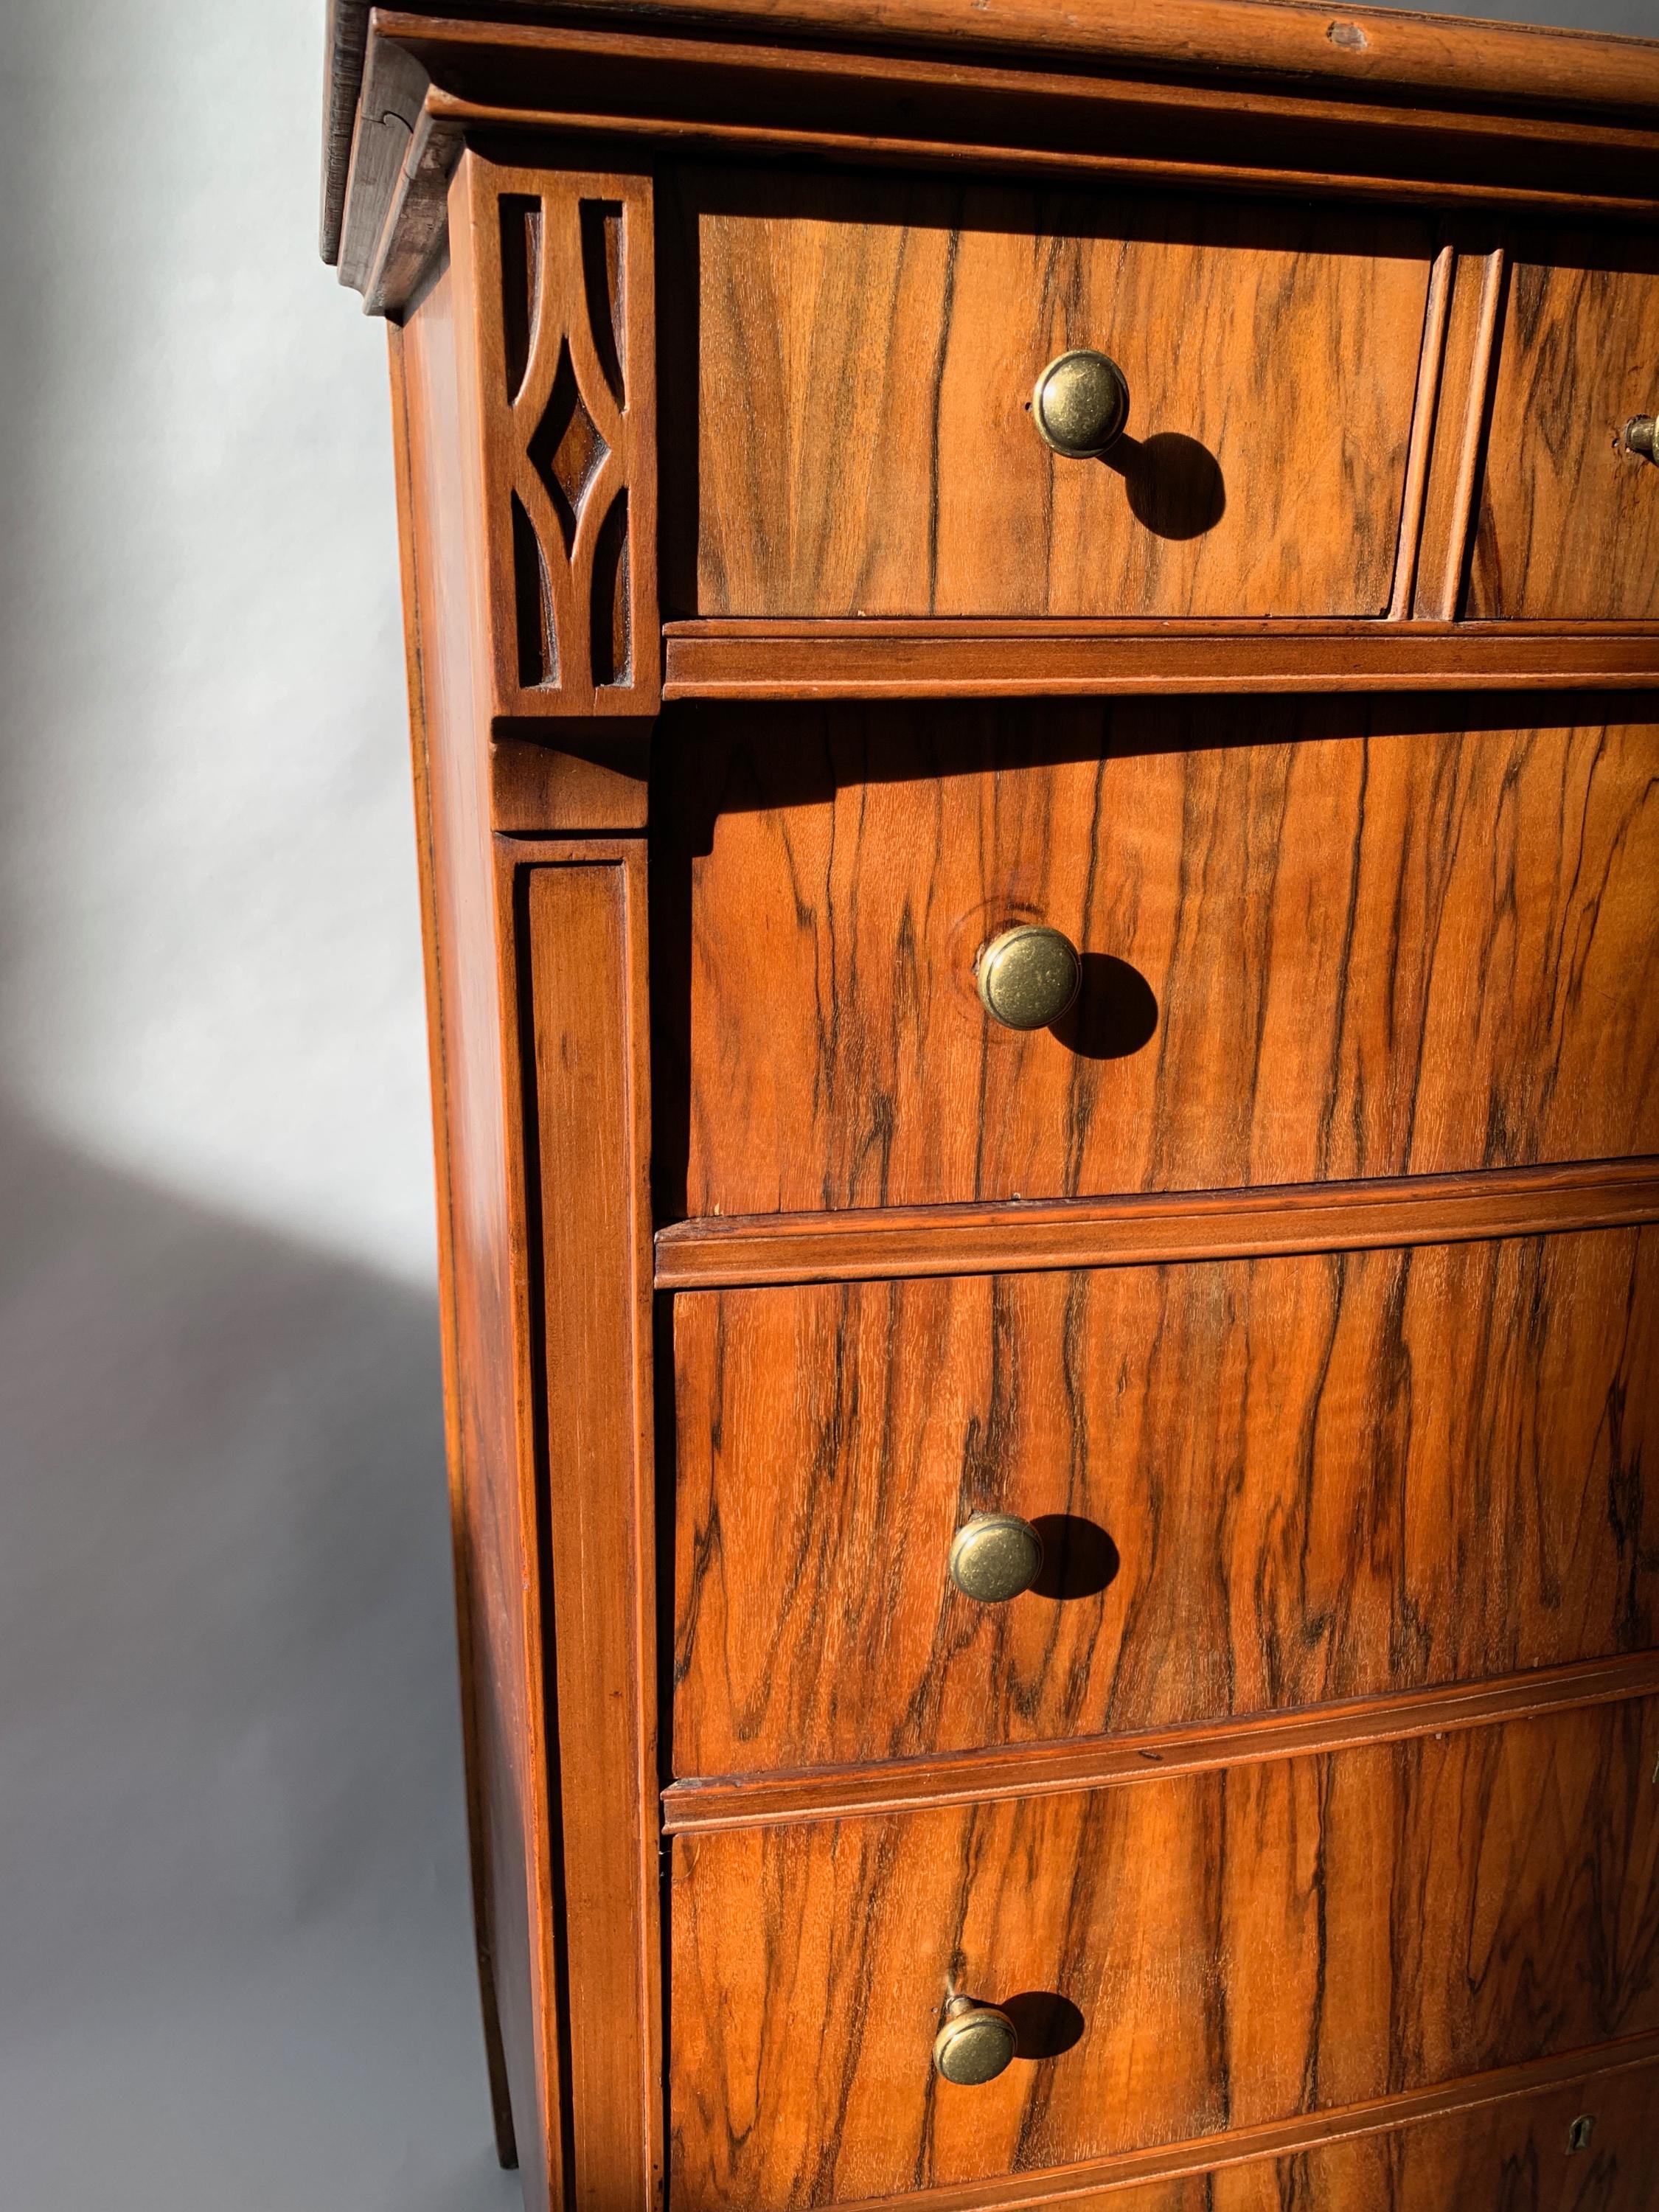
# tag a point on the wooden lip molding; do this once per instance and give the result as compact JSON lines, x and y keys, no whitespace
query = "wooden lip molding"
{"x":1142,"y":1231}
{"x":1171,"y":2162}
{"x":1558,"y":122}
{"x":921,"y":660}
{"x":1118,"y":1762}
{"x":1376,"y":52}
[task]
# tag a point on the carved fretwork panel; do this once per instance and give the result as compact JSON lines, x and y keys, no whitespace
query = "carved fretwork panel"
{"x":560,"y":264}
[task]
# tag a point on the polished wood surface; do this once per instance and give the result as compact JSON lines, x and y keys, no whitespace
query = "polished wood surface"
{"x":980,"y":1239}
{"x":921,"y":658}
{"x":1260,"y":1485}
{"x":416,"y":510}
{"x":1269,"y":1941}
{"x":583,"y":924}
{"x":488,"y":1349}
{"x":1074,"y":1763}
{"x":1463,"y":400}
{"x":1568,"y":522}
{"x":1578,"y":2145}
{"x":1300,"y":1284}
{"x":1321,"y":941}
{"x":1395,"y":50}
{"x":866,"y":353}
{"x":560,"y":271}
{"x":1475,"y":116}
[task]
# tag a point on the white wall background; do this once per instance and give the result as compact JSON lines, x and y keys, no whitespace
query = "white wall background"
{"x":235,"y":1959}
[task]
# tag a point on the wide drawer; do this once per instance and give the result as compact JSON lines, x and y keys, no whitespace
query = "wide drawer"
{"x":1259,"y":1485}
{"x":1183,"y":1955}
{"x":1320,"y":939}
{"x":1590,"y":2145}
{"x":865,"y":353}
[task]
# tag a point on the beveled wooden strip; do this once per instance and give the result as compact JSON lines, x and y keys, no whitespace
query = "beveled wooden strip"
{"x":1571,"y":2084}
{"x":885,"y":1786}
{"x":871,"y":660}
{"x":1429,"y":364}
{"x":581,"y":920}
{"x":1103,"y":1232}
{"x":1464,"y":381}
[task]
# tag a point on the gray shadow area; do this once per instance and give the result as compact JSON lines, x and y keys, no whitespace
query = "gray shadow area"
{"x":234,"y":1919}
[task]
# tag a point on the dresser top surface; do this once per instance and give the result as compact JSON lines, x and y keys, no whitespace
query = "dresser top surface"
{"x":1289,"y":46}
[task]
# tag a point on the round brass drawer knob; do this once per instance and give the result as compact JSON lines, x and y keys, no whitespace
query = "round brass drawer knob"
{"x":974,"y":2044}
{"x":1080,"y":404}
{"x":1642,"y":436}
{"x":994,"y":1556}
{"x":1028,"y":976}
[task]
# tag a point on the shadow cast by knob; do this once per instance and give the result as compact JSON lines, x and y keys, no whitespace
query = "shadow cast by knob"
{"x":1046,"y":2024}
{"x":1114,"y":1012}
{"x":1078,"y":1559}
{"x":1175,"y":487}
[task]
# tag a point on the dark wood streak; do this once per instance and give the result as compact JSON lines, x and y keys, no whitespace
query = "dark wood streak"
{"x":1336,"y":1477}
{"x":1266,"y":1942}
{"x":1376,"y":939}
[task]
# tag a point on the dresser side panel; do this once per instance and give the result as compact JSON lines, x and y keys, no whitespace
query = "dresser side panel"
{"x":481,"y":1241}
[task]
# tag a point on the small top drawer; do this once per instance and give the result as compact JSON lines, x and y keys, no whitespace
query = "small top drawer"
{"x":865,"y":356}
{"x":1568,"y":523}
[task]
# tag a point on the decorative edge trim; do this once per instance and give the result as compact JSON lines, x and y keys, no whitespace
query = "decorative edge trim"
{"x":769,"y":1800}
{"x":1140,"y":1230}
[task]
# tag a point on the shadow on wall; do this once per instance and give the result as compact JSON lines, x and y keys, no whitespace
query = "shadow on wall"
{"x":228,"y":1694}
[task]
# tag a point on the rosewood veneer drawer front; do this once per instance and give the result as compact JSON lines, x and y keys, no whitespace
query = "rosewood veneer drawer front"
{"x":1258,"y":1484}
{"x":1587,"y":2147}
{"x":866,"y":353}
{"x":1320,"y":938}
{"x":1568,"y":525}
{"x":1181,"y":1956}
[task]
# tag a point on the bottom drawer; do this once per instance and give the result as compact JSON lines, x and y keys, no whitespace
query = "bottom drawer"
{"x":1591,"y":2145}
{"x":1183,"y":1955}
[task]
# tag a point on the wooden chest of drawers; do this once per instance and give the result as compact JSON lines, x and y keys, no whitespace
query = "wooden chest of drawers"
{"x":1046,"y":1051}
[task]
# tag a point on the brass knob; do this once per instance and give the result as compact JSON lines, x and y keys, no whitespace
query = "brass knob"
{"x":1080,"y":404}
{"x":995,"y":1556}
{"x":1642,"y":436}
{"x":1028,"y":976}
{"x":975,"y":2043}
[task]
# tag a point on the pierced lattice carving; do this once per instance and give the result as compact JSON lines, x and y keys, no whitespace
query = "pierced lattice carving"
{"x":562,"y":266}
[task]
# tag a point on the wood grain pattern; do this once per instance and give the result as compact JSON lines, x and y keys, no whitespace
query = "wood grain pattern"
{"x":582,"y":908}
{"x":1263,"y":1484}
{"x":1321,"y":941}
{"x":921,"y":658}
{"x":866,"y":353}
{"x":488,"y":1350}
{"x":1218,"y":1951}
{"x":558,"y":269}
{"x":1568,"y":522}
{"x":1510,"y":2153}
{"x":1399,"y":51}
{"x":409,"y":503}
{"x":710,"y":90}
